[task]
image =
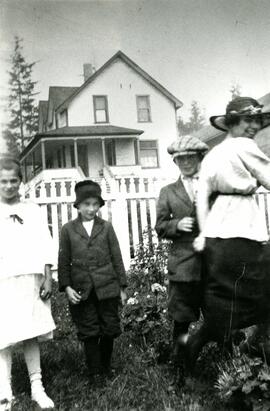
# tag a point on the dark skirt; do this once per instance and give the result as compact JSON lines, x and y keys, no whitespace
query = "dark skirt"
{"x":184,"y":301}
{"x":235,"y":284}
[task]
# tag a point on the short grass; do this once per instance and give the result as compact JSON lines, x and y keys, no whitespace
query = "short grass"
{"x":138,"y":384}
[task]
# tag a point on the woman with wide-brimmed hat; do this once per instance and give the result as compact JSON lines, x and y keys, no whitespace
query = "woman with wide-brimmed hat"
{"x":232,"y":227}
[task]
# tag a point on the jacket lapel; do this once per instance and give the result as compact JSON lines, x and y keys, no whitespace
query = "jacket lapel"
{"x":97,"y":228}
{"x":180,"y":191}
{"x":79,"y":228}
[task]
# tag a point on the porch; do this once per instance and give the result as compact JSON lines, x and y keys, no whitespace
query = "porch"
{"x":94,"y":152}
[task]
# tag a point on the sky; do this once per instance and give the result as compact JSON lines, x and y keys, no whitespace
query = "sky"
{"x":195,"y":48}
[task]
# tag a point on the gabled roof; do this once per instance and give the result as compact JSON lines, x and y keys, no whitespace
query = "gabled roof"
{"x":82,"y":131}
{"x":57,"y":95}
{"x":265,"y":100}
{"x":120,"y":55}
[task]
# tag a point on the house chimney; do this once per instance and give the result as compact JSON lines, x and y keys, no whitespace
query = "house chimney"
{"x":88,"y":70}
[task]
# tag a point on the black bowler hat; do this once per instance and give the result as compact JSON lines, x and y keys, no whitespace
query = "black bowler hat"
{"x":85,"y":189}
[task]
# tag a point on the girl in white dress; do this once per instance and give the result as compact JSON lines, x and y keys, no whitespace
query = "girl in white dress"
{"x":26,"y":257}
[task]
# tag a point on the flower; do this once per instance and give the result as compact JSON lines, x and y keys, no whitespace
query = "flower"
{"x":132,"y":301}
{"x":156,"y":287}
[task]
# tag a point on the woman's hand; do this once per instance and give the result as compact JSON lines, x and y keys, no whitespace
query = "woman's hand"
{"x":199,"y":244}
{"x":123,"y":296}
{"x":186,"y":224}
{"x":72,"y":295}
{"x":45,"y":291}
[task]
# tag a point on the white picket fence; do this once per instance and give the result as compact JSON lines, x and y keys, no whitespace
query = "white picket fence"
{"x":130,"y":204}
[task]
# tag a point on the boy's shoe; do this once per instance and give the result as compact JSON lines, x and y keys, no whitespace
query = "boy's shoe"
{"x":96,"y":380}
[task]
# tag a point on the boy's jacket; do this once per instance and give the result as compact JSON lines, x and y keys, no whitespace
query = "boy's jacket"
{"x":184,"y":264}
{"x":86,"y":262}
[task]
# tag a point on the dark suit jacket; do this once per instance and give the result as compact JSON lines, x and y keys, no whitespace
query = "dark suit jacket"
{"x":184,"y":264}
{"x":87,"y":262}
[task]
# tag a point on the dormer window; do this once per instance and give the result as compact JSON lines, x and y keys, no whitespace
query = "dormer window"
{"x":143,"y":109}
{"x":101,"y":114}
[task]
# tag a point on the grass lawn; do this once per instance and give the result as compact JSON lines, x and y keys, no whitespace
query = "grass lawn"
{"x":138,"y":384}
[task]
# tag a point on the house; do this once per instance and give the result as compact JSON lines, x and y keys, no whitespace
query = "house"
{"x":212,"y":136}
{"x":117,"y":124}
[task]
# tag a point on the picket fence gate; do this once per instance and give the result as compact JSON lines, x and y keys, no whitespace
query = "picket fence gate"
{"x":130,"y":204}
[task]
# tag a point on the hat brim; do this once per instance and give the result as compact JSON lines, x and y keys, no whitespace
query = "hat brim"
{"x":188,"y":153}
{"x":219,"y":121}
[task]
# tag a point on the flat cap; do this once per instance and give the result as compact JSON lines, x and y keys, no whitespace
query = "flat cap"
{"x":186,"y":145}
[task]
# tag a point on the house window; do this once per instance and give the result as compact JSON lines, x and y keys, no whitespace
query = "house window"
{"x":149,"y":154}
{"x":101,"y":114}
{"x":143,"y":109}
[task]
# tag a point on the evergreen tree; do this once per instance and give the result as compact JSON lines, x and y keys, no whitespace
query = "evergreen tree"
{"x":22,"y":106}
{"x":235,"y":90}
{"x":11,"y":146}
{"x":196,"y":120}
{"x":183,"y":127}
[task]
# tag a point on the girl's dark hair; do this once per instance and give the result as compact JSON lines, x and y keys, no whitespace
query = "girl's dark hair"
{"x":11,"y":164}
{"x":231,"y":120}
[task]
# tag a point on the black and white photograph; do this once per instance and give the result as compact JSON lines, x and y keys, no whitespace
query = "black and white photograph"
{"x":135,"y":205}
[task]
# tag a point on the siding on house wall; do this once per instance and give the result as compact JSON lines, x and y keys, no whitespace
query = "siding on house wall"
{"x":121,"y":84}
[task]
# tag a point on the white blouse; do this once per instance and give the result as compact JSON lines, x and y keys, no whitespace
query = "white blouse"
{"x":234,"y":169}
{"x":25,"y":245}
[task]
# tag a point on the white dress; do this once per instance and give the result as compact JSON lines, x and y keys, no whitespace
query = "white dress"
{"x":25,"y":247}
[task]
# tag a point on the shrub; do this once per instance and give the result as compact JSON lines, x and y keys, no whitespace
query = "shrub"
{"x":245,"y":382}
{"x":145,"y":316}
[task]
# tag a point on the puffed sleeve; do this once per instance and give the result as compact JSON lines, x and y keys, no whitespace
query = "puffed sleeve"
{"x":256,"y":162}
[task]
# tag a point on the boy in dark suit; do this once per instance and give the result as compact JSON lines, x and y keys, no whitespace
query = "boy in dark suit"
{"x":92,"y":274}
{"x":176,"y":221}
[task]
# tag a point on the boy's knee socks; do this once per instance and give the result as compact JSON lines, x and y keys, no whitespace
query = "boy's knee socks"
{"x":92,"y":354}
{"x":106,"y":349}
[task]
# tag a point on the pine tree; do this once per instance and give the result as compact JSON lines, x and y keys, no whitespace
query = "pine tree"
{"x":235,"y":90}
{"x":196,"y":120}
{"x":22,"y":106}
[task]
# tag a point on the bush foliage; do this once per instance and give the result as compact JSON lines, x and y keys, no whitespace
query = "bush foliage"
{"x":145,"y":316}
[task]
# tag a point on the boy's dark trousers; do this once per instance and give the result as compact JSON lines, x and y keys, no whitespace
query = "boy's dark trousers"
{"x":97,"y":323}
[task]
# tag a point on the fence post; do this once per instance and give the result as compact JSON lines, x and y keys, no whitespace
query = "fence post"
{"x":120,"y":223}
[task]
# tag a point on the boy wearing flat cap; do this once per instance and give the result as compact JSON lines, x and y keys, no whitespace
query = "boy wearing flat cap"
{"x":176,"y":221}
{"x":92,"y":274}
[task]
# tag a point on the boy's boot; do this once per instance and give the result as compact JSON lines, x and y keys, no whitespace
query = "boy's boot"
{"x":38,"y":393}
{"x":194,"y":346}
{"x":106,"y":349}
{"x":180,"y":335}
{"x":93,"y":358}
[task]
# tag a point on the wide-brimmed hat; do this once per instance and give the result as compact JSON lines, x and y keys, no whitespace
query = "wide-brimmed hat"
{"x":187,"y":145}
{"x":239,"y":107}
{"x":86,"y":189}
